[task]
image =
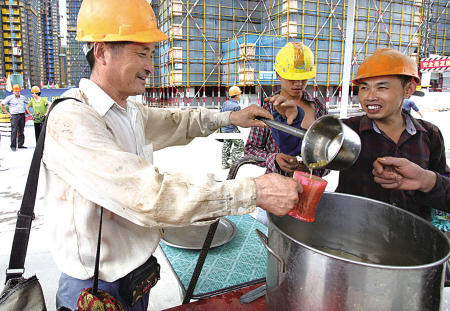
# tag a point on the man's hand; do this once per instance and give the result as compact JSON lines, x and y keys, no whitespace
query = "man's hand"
{"x":402,"y":174}
{"x":287,"y":108}
{"x":277,"y":194}
{"x":289,"y":164}
{"x":246,"y":116}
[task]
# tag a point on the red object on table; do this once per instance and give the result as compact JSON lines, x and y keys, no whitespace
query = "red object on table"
{"x":313,"y":188}
{"x":227,"y":301}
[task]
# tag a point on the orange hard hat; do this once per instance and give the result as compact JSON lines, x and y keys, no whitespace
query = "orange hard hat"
{"x":16,"y":87}
{"x":35,"y":89}
{"x":117,"y":20}
{"x":234,"y":90}
{"x":387,"y":62}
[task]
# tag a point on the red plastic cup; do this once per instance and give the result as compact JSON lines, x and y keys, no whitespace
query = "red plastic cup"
{"x":308,"y":200}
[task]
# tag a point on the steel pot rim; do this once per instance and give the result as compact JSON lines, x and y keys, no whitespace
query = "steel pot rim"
{"x":370,"y":265}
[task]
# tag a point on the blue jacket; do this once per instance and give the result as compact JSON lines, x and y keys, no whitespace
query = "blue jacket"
{"x":230,"y":105}
{"x":408,"y":104}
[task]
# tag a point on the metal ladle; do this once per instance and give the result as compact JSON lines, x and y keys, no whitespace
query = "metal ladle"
{"x":328,"y":143}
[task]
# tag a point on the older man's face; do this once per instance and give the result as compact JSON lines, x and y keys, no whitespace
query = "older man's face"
{"x":129,"y":66}
{"x":17,"y":93}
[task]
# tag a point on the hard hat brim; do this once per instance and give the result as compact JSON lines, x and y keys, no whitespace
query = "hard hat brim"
{"x":297,"y":76}
{"x":357,"y":80}
{"x":154,"y":35}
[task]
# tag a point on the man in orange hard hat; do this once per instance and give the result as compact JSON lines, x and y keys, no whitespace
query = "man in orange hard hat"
{"x":98,"y":157}
{"x":16,"y":103}
{"x":232,"y":149}
{"x":386,"y":130}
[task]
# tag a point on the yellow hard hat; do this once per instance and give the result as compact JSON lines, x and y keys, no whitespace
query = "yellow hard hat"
{"x":35,"y":89}
{"x":16,"y":87}
{"x":117,"y":20}
{"x":295,"y":61}
{"x":234,"y":90}
{"x":387,"y":62}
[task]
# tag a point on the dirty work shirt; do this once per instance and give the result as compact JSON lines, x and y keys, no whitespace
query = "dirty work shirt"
{"x":421,"y":142}
{"x":15,"y":104}
{"x":95,"y":155}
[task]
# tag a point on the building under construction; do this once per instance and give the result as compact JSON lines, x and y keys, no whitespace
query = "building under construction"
{"x":50,"y":42}
{"x":77,"y":66}
{"x":213,"y":45}
{"x":30,"y":30}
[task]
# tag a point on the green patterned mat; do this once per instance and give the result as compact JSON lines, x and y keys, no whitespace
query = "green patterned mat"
{"x":241,"y":260}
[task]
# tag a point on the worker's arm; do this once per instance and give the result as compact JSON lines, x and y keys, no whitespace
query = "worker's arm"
{"x":4,"y":110}
{"x":431,"y":188}
{"x":402,"y":174}
{"x":27,"y":108}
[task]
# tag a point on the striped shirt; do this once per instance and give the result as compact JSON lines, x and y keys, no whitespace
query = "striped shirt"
{"x":15,"y":104}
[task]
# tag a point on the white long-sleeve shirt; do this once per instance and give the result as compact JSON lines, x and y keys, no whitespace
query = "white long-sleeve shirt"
{"x":97,"y":154}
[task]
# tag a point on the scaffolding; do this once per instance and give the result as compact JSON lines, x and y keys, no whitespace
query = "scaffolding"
{"x":220,"y":45}
{"x":49,"y":42}
{"x":20,"y":44}
{"x":213,"y":45}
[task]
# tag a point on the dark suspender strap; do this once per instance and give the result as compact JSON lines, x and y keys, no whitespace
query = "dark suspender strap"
{"x":97,"y":256}
{"x":26,"y":214}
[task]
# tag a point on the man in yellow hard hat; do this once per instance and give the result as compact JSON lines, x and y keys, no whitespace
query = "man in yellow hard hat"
{"x":294,"y":66}
{"x":98,"y":154}
{"x":16,"y":103}
{"x":385,"y":78}
{"x":231,"y":153}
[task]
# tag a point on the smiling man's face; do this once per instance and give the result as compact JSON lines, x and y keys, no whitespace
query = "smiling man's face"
{"x":129,"y":66}
{"x":381,"y":97}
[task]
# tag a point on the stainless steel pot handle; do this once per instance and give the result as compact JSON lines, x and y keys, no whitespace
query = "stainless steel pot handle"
{"x":265,"y":241}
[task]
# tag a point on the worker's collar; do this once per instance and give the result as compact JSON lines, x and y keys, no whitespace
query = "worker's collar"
{"x":98,"y":99}
{"x":412,"y":126}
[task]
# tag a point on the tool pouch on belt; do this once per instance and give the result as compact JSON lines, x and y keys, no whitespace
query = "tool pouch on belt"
{"x":139,"y":281}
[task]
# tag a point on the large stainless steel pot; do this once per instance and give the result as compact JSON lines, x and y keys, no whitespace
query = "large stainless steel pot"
{"x":407,"y":252}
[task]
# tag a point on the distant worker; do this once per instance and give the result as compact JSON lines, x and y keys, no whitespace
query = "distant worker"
{"x":230,"y":153}
{"x":40,"y":106}
{"x":408,"y":103}
{"x":16,"y":112}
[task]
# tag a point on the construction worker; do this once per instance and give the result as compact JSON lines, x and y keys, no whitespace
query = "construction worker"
{"x":409,"y":104}
{"x":40,"y":106}
{"x":385,"y":78}
{"x":294,"y":66}
{"x":98,"y":154}
{"x":16,"y":112}
{"x":230,"y":153}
